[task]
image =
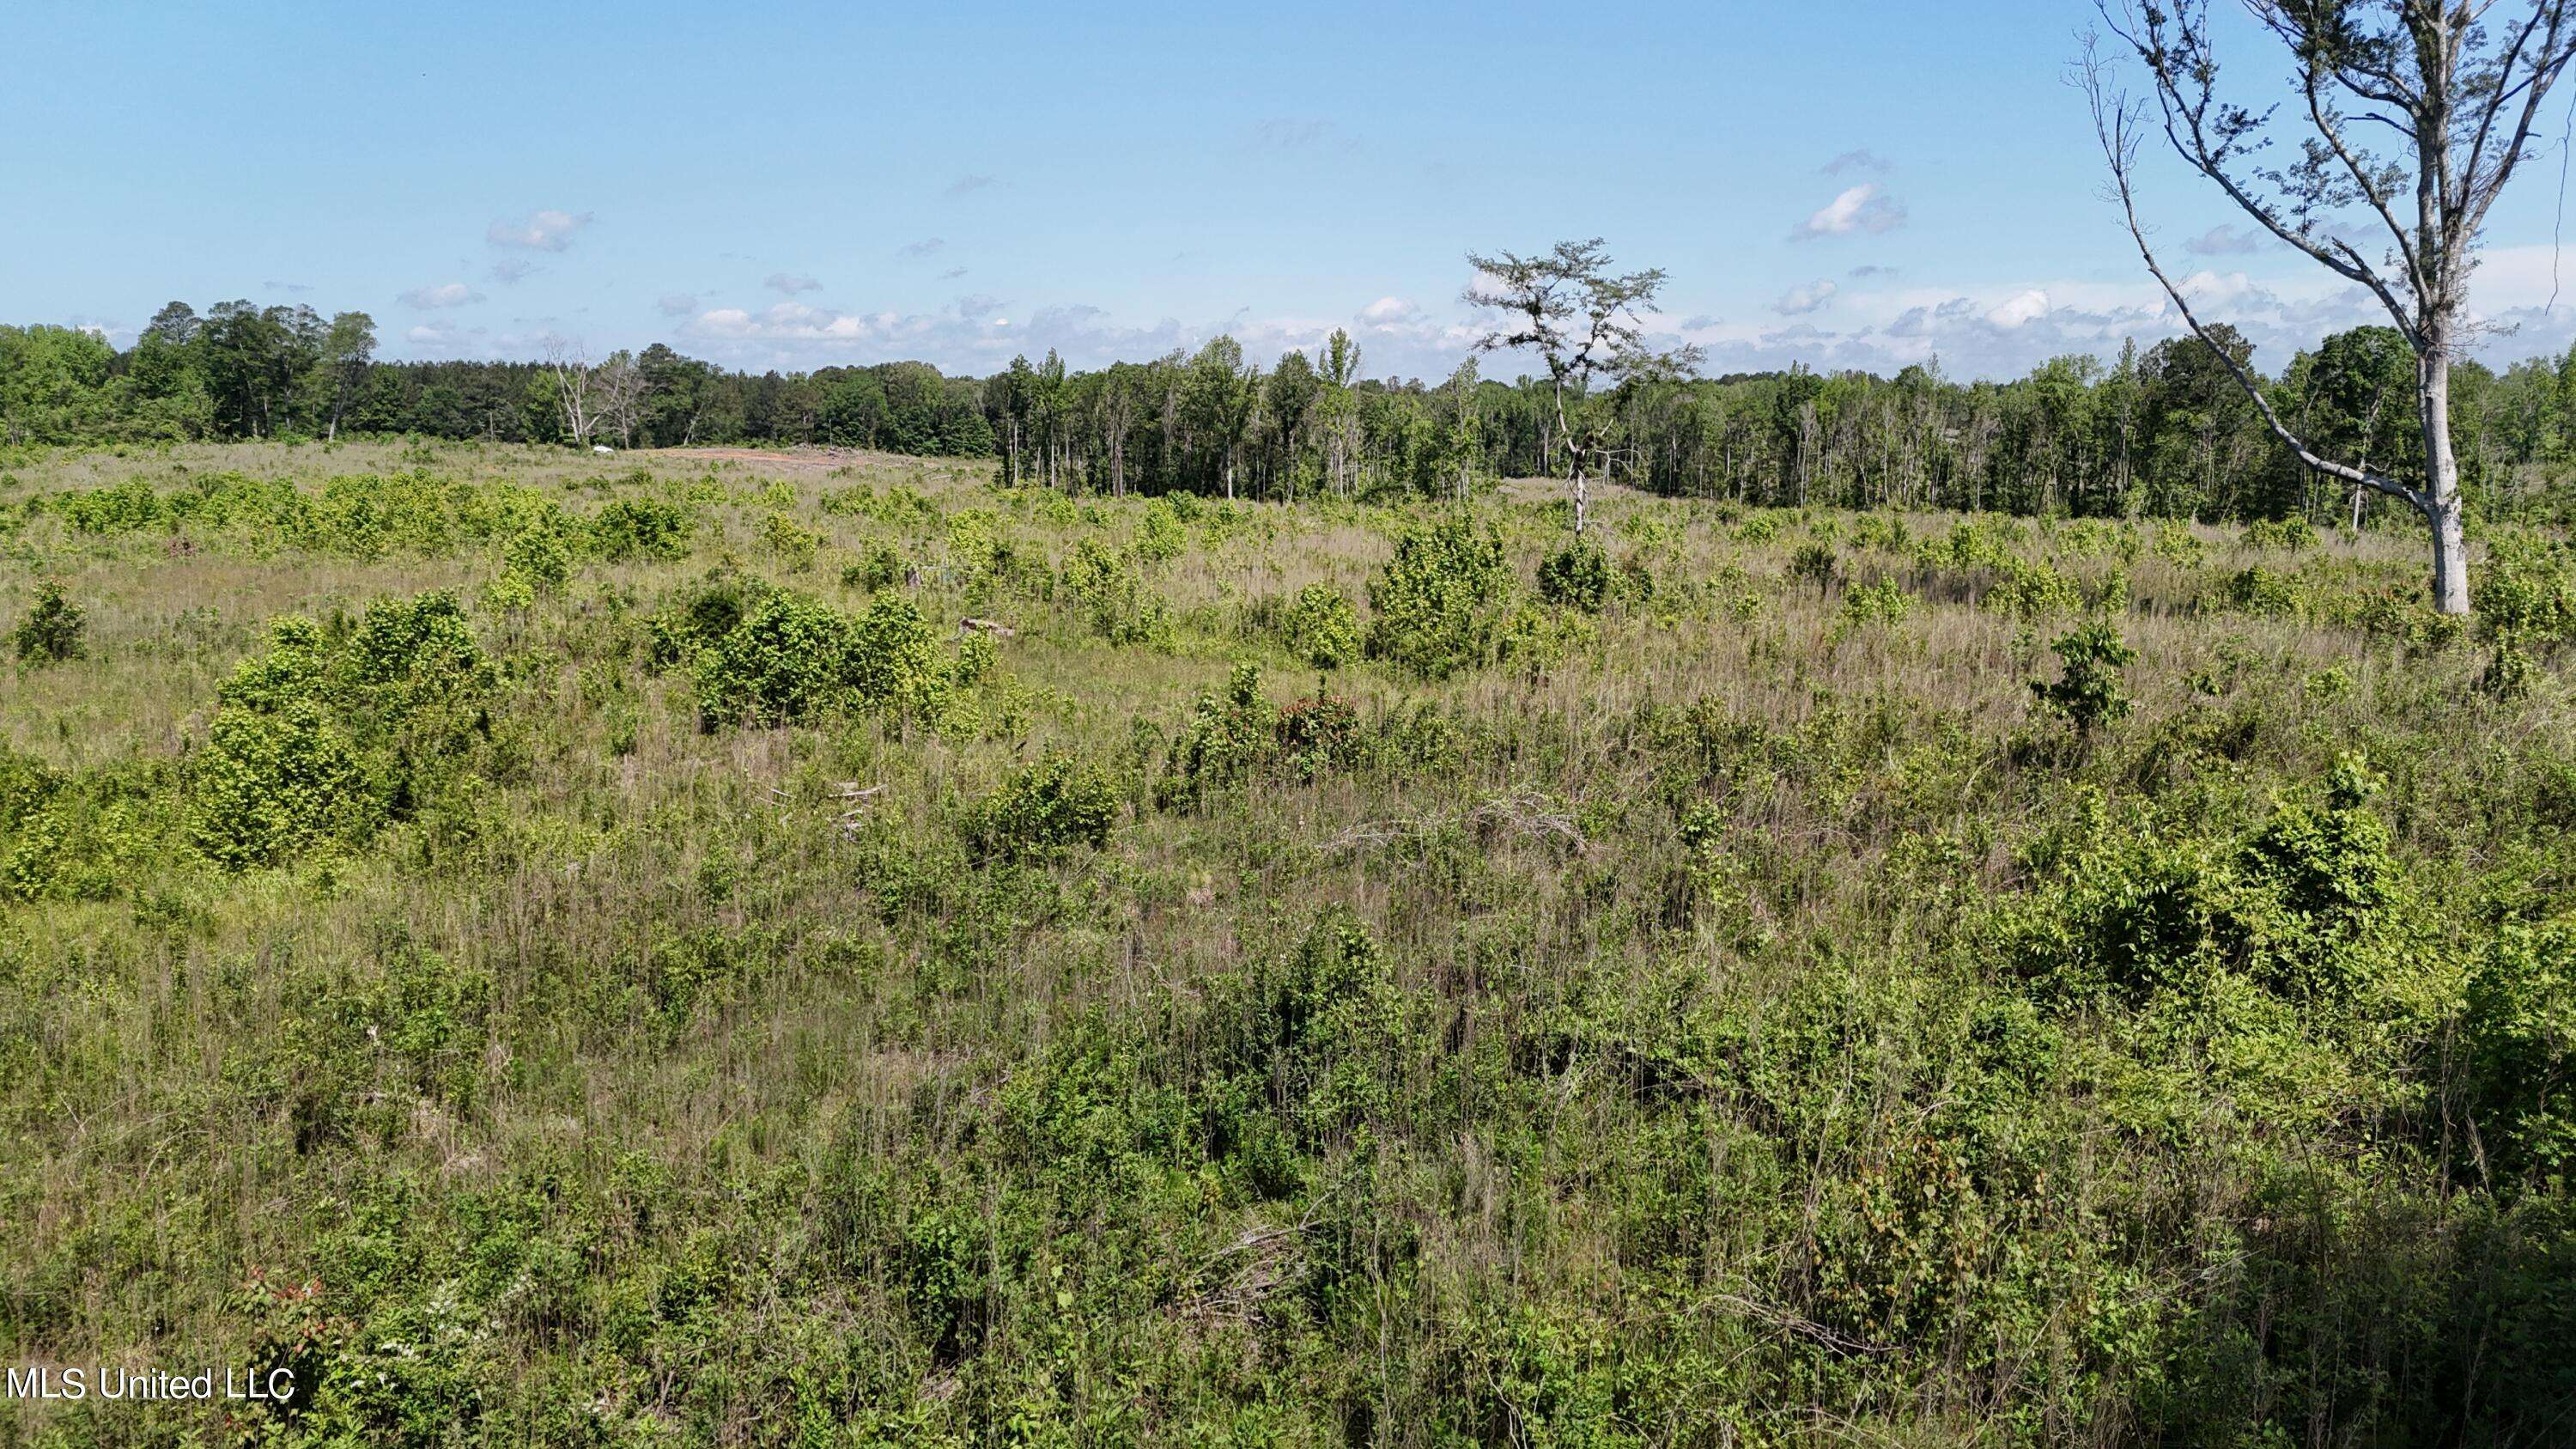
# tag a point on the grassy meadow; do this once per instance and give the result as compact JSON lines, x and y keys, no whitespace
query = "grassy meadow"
{"x":572,"y":950}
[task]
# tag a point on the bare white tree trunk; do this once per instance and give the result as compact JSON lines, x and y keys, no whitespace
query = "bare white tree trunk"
{"x":572,"y":374}
{"x":2441,"y":498}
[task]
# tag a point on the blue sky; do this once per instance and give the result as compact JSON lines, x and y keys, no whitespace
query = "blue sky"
{"x":1841,"y":184}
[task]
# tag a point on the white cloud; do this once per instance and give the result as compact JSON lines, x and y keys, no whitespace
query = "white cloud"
{"x":511,"y":270}
{"x":1799,"y":301}
{"x":926,"y":247}
{"x":544,"y":231}
{"x":443,"y":336}
{"x":1862,"y":159}
{"x":1864,"y":208}
{"x":445,"y":294}
{"x":970,"y":335}
{"x":1987,"y":331}
{"x":2019,"y":308}
{"x":788,"y":284}
{"x":2224,"y":241}
{"x":676,"y":304}
{"x":2229,"y":289}
{"x":967,"y":184}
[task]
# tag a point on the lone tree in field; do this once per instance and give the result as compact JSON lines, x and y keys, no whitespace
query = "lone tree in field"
{"x":2452,"y":88}
{"x":1586,"y":324}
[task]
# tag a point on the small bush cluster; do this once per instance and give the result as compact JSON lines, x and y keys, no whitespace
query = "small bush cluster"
{"x":643,"y":528}
{"x":2089,"y":691}
{"x":1879,"y":601}
{"x":1116,"y":602}
{"x":2292,"y":535}
{"x":1576,"y":576}
{"x":51,"y":631}
{"x":786,"y":657}
{"x":1321,"y":628}
{"x":330,"y":733}
{"x":1045,"y":809}
{"x":1439,"y":602}
{"x":1234,"y":733}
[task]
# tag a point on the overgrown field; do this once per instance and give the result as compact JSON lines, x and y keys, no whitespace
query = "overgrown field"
{"x":582,"y":951}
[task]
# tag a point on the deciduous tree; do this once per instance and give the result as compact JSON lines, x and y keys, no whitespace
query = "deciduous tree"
{"x":1586,"y":324}
{"x":2450,"y":88}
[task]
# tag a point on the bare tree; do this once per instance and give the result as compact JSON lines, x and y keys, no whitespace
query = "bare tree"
{"x":574,"y":387}
{"x":617,"y":389}
{"x":2458,"y":90}
{"x":1586,"y":324}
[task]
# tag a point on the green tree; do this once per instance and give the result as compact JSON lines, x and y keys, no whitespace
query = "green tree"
{"x":1585,"y":322}
{"x":348,"y":347}
{"x":1219,"y":400}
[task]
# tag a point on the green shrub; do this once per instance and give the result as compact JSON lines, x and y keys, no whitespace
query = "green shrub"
{"x":1226,"y":735}
{"x":1576,"y":576}
{"x":1315,"y":735}
{"x":325,"y":735}
{"x":704,"y":614}
{"x":793,"y":658}
{"x":2177,"y":544}
{"x":2522,"y":1029}
{"x":1047,"y":808}
{"x":976,"y":545}
{"x":83,"y":836}
{"x":879,"y":569}
{"x":51,"y":632}
{"x":541,"y":553}
{"x":895,"y":665}
{"x":1540,"y":639}
{"x":2089,"y":690}
{"x":643,"y":528}
{"x":2258,"y":590}
{"x":1882,"y":531}
{"x":414,"y":658}
{"x":2030,"y":590}
{"x":127,"y":507}
{"x":1160,"y":537}
{"x":1813,"y":562}
{"x":792,"y":544}
{"x":1321,"y":627}
{"x":2528,"y":588}
{"x":1438,"y":602}
{"x":1117,"y":603}
{"x":270,"y":785}
{"x":1879,"y":601}
{"x":785,"y":660}
{"x":2293,"y":534}
{"x":2525,"y":599}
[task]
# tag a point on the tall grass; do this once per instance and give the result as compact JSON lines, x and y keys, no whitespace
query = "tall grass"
{"x":1736,"y":1015}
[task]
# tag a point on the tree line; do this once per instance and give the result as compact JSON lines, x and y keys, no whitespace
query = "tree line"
{"x":2163,"y":430}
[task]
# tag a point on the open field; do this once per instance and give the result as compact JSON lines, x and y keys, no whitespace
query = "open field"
{"x":1283,"y":974}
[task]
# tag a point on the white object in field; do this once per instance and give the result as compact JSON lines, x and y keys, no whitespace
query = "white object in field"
{"x":601,"y":448}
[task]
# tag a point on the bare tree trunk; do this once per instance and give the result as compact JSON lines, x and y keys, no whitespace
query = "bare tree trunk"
{"x":2442,"y":479}
{"x":1573,"y":462}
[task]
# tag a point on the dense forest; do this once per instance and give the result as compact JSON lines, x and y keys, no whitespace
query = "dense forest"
{"x":2161,"y":431}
